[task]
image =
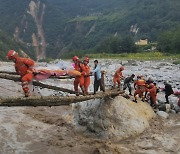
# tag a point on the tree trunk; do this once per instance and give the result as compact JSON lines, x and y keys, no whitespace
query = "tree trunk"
{"x":55,"y":100}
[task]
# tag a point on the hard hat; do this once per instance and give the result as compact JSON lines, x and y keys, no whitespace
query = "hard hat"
{"x":86,"y":59}
{"x":12,"y":54}
{"x":75,"y":58}
{"x":151,"y":85}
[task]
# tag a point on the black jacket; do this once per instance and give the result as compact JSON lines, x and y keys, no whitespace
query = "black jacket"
{"x":168,"y":89}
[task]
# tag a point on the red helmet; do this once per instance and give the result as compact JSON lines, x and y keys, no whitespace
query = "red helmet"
{"x":12,"y":54}
{"x":75,"y":58}
{"x":151,"y":85}
{"x":121,"y":68}
{"x":86,"y":59}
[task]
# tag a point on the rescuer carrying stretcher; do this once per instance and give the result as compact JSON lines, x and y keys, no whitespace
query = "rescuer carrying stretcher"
{"x":24,"y":68}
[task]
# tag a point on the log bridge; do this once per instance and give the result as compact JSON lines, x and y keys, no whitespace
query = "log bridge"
{"x":51,"y":100}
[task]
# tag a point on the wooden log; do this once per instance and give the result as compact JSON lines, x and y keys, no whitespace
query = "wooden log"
{"x":10,"y":77}
{"x":54,"y":100}
{"x":7,"y":72}
{"x":53,"y":87}
{"x":36,"y":83}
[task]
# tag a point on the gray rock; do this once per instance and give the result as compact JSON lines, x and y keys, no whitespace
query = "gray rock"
{"x":168,"y":107}
{"x":117,"y":118}
{"x":177,"y":109}
{"x":162,"y":114}
{"x":172,"y":111}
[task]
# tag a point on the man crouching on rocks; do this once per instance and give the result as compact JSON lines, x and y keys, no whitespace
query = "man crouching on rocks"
{"x":24,"y":67}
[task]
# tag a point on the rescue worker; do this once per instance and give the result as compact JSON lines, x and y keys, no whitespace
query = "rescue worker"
{"x":86,"y":75}
{"x":152,"y":94}
{"x":148,"y":82}
{"x":79,"y":80}
{"x":24,"y":67}
{"x":127,"y":83}
{"x":97,"y":77}
{"x":168,"y":91}
{"x":140,"y":88}
{"x":117,"y":77}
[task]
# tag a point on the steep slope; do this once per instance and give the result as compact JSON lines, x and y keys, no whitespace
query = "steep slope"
{"x":7,"y":43}
{"x":56,"y":26}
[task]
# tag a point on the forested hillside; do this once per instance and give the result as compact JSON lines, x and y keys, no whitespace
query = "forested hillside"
{"x":8,"y":42}
{"x":53,"y":27}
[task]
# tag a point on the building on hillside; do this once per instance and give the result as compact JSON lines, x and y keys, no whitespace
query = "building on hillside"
{"x":142,"y":42}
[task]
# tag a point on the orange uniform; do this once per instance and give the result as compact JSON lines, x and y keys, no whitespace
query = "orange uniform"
{"x":79,"y":80}
{"x":140,"y":88}
{"x":153,"y":94}
{"x":86,"y":78}
{"x":24,"y":67}
{"x":117,"y":76}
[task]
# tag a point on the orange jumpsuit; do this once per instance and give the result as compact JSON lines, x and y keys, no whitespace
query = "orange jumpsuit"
{"x":79,"y":80}
{"x":24,"y":67}
{"x":140,"y":88}
{"x":86,"y":78}
{"x":117,"y":76}
{"x":153,"y":94}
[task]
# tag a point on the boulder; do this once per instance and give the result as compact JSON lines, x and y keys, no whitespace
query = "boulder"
{"x":162,"y":114}
{"x":116,"y":119}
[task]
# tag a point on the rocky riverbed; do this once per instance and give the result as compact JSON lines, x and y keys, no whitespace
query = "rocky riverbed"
{"x":52,"y":130}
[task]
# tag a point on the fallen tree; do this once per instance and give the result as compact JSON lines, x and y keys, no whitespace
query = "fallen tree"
{"x":35,"y":83}
{"x":55,"y":100}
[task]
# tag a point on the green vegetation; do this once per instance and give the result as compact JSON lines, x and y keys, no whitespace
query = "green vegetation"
{"x":7,"y":43}
{"x":169,"y":41}
{"x":117,"y":45}
{"x":138,"y":56}
{"x":86,"y":18}
{"x":95,"y":25}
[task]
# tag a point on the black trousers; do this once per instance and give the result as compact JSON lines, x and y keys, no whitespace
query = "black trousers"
{"x":97,"y":84}
{"x":167,"y":99}
{"x":127,"y":85}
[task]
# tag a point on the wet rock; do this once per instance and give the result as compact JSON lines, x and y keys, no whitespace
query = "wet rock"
{"x":168,"y":107}
{"x":164,"y":64}
{"x":132,"y":62}
{"x":162,"y":107}
{"x":177,"y":109}
{"x":162,"y":114}
{"x":111,"y":118}
{"x":172,"y":111}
